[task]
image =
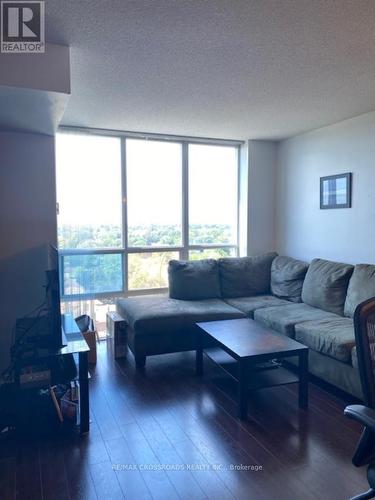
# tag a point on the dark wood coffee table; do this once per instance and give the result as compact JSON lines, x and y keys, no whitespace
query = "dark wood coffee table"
{"x":252,"y":355}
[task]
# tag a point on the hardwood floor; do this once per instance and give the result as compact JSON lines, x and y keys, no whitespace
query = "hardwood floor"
{"x":146,"y":426}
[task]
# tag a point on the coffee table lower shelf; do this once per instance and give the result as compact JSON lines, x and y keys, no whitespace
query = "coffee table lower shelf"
{"x":260,"y":376}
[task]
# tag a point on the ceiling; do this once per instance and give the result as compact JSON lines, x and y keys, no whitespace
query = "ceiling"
{"x":236,"y":69}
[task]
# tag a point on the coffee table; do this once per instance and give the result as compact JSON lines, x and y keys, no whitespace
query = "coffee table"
{"x":252,"y":355}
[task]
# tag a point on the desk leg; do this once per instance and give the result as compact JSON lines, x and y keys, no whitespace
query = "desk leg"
{"x":242,"y":390}
{"x":84,"y":392}
{"x":303,"y":390}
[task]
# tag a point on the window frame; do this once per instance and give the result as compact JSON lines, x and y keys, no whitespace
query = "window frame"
{"x":125,"y":250}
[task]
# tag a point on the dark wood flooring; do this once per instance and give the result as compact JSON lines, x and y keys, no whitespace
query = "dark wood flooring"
{"x":145,"y":427}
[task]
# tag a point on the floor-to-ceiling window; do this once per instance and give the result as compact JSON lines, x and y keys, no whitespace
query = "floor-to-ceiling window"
{"x":127,"y":205}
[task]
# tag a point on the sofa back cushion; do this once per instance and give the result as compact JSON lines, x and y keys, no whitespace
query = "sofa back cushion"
{"x":193,"y":280}
{"x":245,"y":276}
{"x":287,"y":277}
{"x":326,"y":284}
{"x":361,"y":287}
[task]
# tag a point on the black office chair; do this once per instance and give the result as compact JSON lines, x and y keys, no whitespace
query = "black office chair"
{"x":364,"y":327}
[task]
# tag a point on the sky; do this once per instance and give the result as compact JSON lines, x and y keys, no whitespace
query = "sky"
{"x":89,"y":181}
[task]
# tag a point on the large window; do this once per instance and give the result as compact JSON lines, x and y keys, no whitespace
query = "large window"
{"x":129,"y":205}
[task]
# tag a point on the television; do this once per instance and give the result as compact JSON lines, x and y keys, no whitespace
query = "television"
{"x":44,"y":329}
{"x":58,"y":338}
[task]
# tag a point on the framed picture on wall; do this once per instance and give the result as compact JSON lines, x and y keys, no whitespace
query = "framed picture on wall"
{"x":336,"y":191}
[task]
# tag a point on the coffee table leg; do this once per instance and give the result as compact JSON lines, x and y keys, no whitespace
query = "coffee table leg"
{"x":242,"y":390}
{"x":303,"y":392}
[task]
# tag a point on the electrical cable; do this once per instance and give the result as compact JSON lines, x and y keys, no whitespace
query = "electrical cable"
{"x":6,"y":374}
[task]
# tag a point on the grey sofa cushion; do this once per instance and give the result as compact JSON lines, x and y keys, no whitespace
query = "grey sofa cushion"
{"x":326,"y":284}
{"x":287,"y":277}
{"x":361,"y":287}
{"x":333,"y":337}
{"x":154,"y":314}
{"x":245,"y":276}
{"x":250,"y":304}
{"x":193,"y":280}
{"x":283,"y":319}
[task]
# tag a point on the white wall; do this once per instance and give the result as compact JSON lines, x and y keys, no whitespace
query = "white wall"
{"x":27,"y":225}
{"x":262,"y":157}
{"x":34,"y":90}
{"x":303,"y":230}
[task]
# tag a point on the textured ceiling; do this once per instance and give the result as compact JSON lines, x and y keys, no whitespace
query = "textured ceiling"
{"x":259,"y":69}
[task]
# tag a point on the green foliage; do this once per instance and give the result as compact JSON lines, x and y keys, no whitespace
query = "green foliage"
{"x":214,"y":234}
{"x":92,"y":273}
{"x":109,"y":236}
{"x":149,"y":270}
{"x":215,"y":253}
{"x":89,"y":236}
{"x":154,"y":235}
{"x":103,"y":273}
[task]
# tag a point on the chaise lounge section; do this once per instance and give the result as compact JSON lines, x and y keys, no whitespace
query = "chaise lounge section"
{"x":159,"y":324}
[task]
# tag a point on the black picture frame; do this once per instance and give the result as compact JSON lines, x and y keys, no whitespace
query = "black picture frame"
{"x":336,"y":191}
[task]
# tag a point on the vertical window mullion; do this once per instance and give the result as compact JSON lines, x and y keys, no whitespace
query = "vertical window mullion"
{"x":185,"y":201}
{"x":124,"y":214}
{"x":61,"y":276}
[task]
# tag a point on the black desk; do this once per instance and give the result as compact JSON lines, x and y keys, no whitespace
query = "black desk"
{"x":76,"y":344}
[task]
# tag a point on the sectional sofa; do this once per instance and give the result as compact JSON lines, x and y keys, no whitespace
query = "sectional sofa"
{"x":313,"y":303}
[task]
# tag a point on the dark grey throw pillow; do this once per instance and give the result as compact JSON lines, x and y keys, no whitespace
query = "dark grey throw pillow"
{"x":245,"y":276}
{"x":326,"y":284}
{"x":361,"y":287}
{"x":287,"y":277}
{"x":193,"y":280}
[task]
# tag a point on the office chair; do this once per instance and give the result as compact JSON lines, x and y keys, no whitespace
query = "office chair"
{"x":364,"y":327}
